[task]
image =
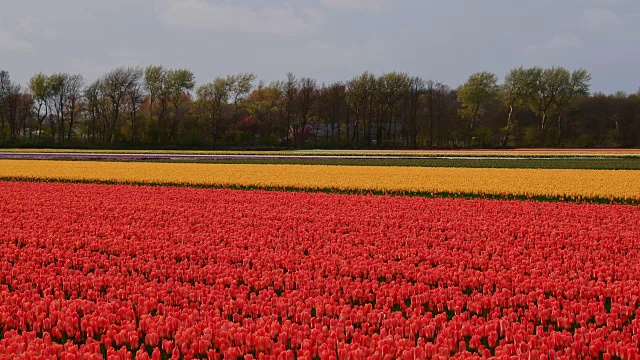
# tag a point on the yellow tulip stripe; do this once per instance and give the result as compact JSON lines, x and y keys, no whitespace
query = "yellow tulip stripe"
{"x":600,"y":184}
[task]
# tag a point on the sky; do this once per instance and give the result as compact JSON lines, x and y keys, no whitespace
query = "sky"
{"x":330,"y":40}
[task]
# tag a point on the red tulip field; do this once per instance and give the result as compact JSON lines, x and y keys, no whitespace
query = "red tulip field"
{"x":118,"y":271}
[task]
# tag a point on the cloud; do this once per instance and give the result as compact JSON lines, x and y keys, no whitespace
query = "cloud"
{"x":565,"y":41}
{"x":354,"y":4}
{"x":10,"y":44}
{"x":562,"y":42}
{"x":36,"y":27}
{"x":597,"y":18}
{"x":126,"y":54}
{"x":204,"y":15}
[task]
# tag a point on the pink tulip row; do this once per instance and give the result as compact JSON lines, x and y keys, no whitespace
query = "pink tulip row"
{"x":158,"y":272}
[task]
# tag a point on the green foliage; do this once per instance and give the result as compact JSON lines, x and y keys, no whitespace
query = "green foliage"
{"x":179,"y":82}
{"x":393,"y":86}
{"x":531,"y":137}
{"x":266,"y":102}
{"x":359,"y":89}
{"x":213,"y":95}
{"x":554,"y":88}
{"x":239,"y":86}
{"x":155,"y":78}
{"x":162,"y":107}
{"x":519,"y":87}
{"x":39,"y":86}
{"x":474,"y":95}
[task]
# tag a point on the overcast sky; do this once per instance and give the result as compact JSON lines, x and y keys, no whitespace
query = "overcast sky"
{"x":444,"y":40}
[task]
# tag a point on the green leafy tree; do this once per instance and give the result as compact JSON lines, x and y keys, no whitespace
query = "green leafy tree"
{"x":40,"y":88}
{"x":517,"y":91}
{"x":549,"y":84}
{"x":474,"y":95}
{"x":577,"y":86}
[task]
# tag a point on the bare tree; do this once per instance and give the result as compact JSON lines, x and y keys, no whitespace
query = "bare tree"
{"x":416,"y":89}
{"x":5,"y":89}
{"x":211,"y":98}
{"x":12,"y":107}
{"x":179,"y":84}
{"x":393,"y":89}
{"x":360,"y":92}
{"x":95,"y":112}
{"x":116,"y":85}
{"x":13,"y":98}
{"x":133,"y":101}
{"x":307,"y":95}
{"x":155,"y":81}
{"x":59,"y":93}
{"x":333,"y":104}
{"x":290,"y":94}
{"x":239,"y":87}
{"x":25,"y":114}
{"x":75,"y":85}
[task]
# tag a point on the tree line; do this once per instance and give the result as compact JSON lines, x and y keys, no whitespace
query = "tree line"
{"x":160,"y":107}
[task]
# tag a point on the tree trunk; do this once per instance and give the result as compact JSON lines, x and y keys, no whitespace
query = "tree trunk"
{"x":355,"y":128}
{"x":559,"y":130}
{"x":505,"y":140}
{"x":61,"y":126}
{"x":475,"y":115}
{"x":543,"y":128}
{"x":347,"y":122}
{"x":174,"y":124}
{"x":71,"y":120}
{"x":2,"y":129}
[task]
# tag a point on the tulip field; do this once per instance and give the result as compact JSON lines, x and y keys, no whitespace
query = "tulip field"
{"x":127,"y":271}
{"x":619,"y":186}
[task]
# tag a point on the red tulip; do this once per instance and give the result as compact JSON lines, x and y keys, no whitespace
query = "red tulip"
{"x":193,"y":272}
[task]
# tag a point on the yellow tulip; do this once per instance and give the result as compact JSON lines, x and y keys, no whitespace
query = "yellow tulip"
{"x":514,"y":182}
